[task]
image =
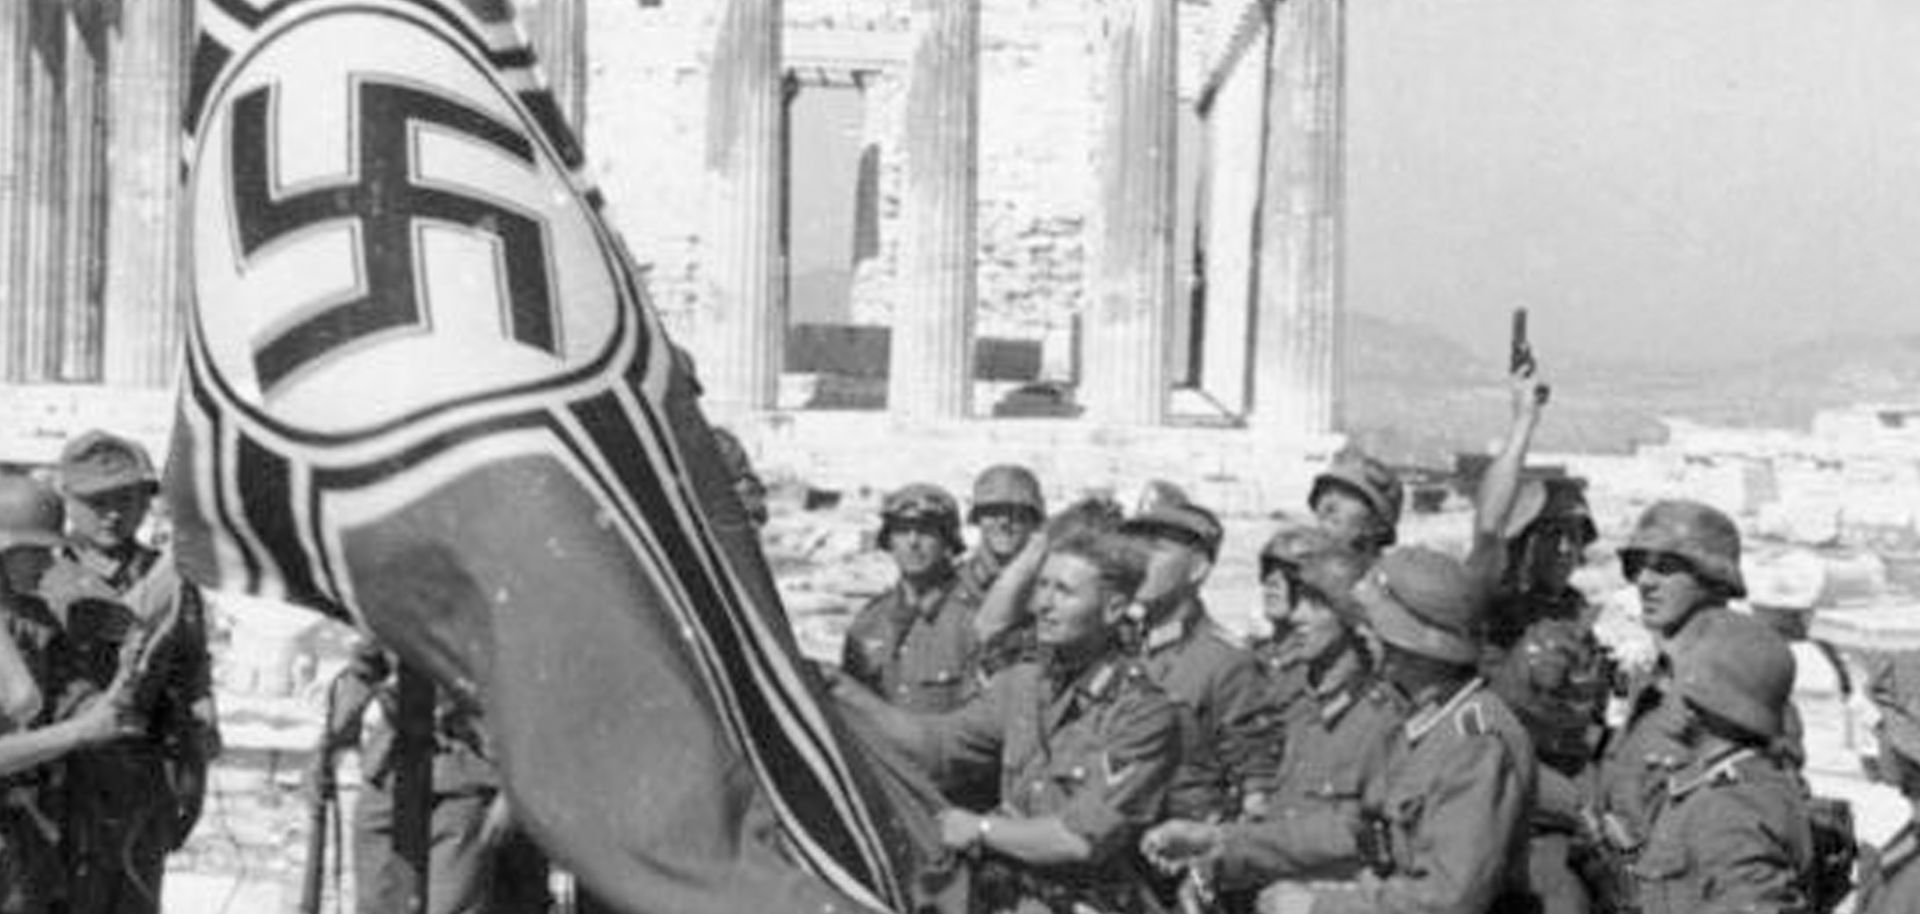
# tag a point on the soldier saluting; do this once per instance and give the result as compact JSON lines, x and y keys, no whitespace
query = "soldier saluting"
{"x":1084,"y":744}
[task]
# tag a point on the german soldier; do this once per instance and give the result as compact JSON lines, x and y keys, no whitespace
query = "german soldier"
{"x":1218,"y":682}
{"x":1892,"y":884}
{"x":1084,"y":744}
{"x":1338,"y":733}
{"x":1443,"y":828}
{"x":136,"y":800}
{"x":1684,"y":560}
{"x":1730,"y":832}
{"x":1542,"y":659}
{"x":37,"y":738}
{"x":915,"y":644}
{"x":1008,"y":508}
{"x":1359,"y":500}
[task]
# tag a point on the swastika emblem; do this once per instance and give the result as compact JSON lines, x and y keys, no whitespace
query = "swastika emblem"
{"x":389,"y":203}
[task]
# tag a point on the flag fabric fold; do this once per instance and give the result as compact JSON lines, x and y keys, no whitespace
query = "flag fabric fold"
{"x":424,"y":392}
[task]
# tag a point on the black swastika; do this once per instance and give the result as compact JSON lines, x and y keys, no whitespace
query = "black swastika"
{"x":387,"y":203}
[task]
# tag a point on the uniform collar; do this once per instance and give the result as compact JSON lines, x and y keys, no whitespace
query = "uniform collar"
{"x":1424,"y":720}
{"x":1721,"y":769}
{"x":927,"y":605}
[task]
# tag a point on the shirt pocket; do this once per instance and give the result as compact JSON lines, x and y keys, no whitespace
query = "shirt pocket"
{"x":1661,"y":870}
{"x":944,"y":688}
{"x":1343,"y":782}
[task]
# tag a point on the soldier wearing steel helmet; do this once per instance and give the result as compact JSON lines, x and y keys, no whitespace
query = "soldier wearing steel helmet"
{"x":1730,"y":830}
{"x":1009,"y":508}
{"x":1530,"y":533}
{"x":915,"y":644}
{"x":1359,"y":499}
{"x":1443,"y":826}
{"x":44,"y":724}
{"x":1306,"y":579}
{"x":1890,"y":882}
{"x":1334,"y":738}
{"x":1683,"y":559}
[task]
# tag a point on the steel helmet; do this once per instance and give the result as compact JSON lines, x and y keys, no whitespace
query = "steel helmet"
{"x":31,"y":513}
{"x":1699,"y":533}
{"x":1373,"y":481}
{"x":922,"y":503}
{"x":1740,"y":670}
{"x":1007,"y":485}
{"x":1424,"y":602}
{"x":1551,"y":499}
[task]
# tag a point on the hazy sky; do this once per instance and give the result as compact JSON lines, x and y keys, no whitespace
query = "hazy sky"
{"x":1655,"y":178}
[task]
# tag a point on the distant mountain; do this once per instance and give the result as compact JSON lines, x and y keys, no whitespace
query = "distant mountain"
{"x":1416,"y":396}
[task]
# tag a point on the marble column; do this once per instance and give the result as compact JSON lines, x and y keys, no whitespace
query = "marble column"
{"x":1126,"y":335}
{"x":33,"y":330}
{"x":16,"y":46}
{"x":1298,"y":339}
{"x":742,"y":322}
{"x":558,"y":31}
{"x":147,"y":70}
{"x":931,"y":358}
{"x":84,"y":263}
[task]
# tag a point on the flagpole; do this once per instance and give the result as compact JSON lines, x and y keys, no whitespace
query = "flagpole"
{"x":413,"y":782}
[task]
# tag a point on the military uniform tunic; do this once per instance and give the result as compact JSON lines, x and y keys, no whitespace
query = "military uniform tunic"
{"x":133,"y":801}
{"x":1337,"y":742}
{"x":1897,"y":887}
{"x":1732,"y":835}
{"x":1452,"y":805}
{"x":921,"y":654}
{"x":1223,"y":689}
{"x":1096,"y":748}
{"x":32,"y":816}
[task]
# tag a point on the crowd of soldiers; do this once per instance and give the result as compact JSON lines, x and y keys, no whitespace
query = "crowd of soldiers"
{"x":106,"y":705}
{"x":1415,"y":731}
{"x":1418,"y":732}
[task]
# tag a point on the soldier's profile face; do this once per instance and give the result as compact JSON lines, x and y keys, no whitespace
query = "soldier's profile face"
{"x":1070,"y":604}
{"x":1669,"y":593}
{"x":1172,"y":569}
{"x":1343,"y":514}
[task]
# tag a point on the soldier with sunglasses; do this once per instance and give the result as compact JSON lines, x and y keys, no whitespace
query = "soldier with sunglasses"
{"x":1683,"y":559}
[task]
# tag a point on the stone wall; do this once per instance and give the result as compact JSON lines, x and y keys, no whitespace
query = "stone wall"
{"x":1040,"y":113}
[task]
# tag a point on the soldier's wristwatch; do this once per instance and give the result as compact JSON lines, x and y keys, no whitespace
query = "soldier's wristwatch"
{"x":981,"y":831}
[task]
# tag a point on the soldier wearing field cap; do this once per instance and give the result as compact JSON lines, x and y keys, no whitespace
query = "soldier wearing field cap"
{"x":1730,"y":832}
{"x":915,"y":644}
{"x":1009,"y":509}
{"x":136,"y":800}
{"x":1196,"y":661}
{"x":1443,"y":828}
{"x":1359,"y":499}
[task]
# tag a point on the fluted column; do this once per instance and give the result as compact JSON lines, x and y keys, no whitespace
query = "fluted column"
{"x":86,"y":221}
{"x":1298,"y":338}
{"x":931,"y":370}
{"x":147,"y":69}
{"x":16,"y":46}
{"x":743,"y":319}
{"x":1126,"y":339}
{"x":558,"y":31}
{"x":33,"y":333}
